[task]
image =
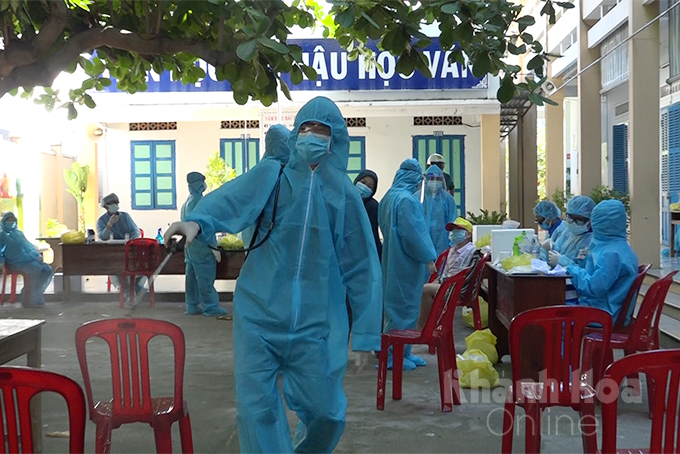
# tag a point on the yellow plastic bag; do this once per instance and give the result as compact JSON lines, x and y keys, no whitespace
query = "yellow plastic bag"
{"x":73,"y":237}
{"x":476,"y":371}
{"x":483,"y":241}
{"x":485,"y":341}
{"x":516,"y":260}
{"x":469,"y":316}
{"x":675,"y":206}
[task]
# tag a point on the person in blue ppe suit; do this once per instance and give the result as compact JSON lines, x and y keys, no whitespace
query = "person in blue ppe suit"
{"x":407,"y":253}
{"x":20,"y":255}
{"x":201,"y":262}
{"x":276,"y":147}
{"x":572,"y":246}
{"x":290,"y":317}
{"x":548,"y":218}
{"x":367,"y":183}
{"x":116,"y":225}
{"x":439,"y":208}
{"x":611,"y":265}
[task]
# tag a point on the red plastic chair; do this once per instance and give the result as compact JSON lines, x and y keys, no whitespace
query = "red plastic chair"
{"x":643,"y":333}
{"x":13,"y":285}
{"x":18,"y":386}
{"x":662,"y":368}
{"x":108,"y":279}
{"x":128,"y":341}
{"x":141,"y":258}
{"x":437,"y":333}
{"x":620,"y":323}
{"x":471,"y":297}
{"x":439,"y":264}
{"x":562,"y":382}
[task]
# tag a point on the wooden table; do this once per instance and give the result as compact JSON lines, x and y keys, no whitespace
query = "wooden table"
{"x":511,"y":294}
{"x":23,"y":337}
{"x":102,"y":259}
{"x":55,"y":244}
{"x":675,"y":220}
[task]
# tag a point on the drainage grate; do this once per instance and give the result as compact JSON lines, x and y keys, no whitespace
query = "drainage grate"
{"x":153,"y":126}
{"x":437,"y":121}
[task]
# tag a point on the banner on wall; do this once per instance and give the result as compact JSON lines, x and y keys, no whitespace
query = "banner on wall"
{"x":270,"y":117}
{"x":337,"y":73}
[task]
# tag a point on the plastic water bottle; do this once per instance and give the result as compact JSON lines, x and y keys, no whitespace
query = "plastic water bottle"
{"x":159,"y":237}
{"x":535,"y":247}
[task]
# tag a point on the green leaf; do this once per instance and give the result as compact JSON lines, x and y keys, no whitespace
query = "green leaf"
{"x":72,"y":112}
{"x":247,"y":50}
{"x":533,"y":97}
{"x":309,"y":72}
{"x":89,"y":102}
{"x":285,"y":89}
{"x":451,"y":8}
{"x":481,"y":65}
{"x":240,"y":98}
{"x":507,"y":89}
{"x":296,"y":75}
{"x":296,"y":52}
{"x":273,"y":45}
{"x":346,"y":18}
{"x":535,"y":63}
{"x":370,"y":21}
{"x":565,"y":5}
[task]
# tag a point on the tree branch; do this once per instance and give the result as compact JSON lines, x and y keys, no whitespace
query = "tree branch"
{"x":28,"y":52}
{"x":47,"y":68}
{"x":159,"y":18}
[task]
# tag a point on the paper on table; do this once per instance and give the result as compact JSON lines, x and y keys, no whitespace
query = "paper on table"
{"x":559,"y":270}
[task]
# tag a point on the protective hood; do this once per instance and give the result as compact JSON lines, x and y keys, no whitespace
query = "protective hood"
{"x":609,"y":220}
{"x":368,"y":173}
{"x":581,"y":205}
{"x":197,"y":187}
{"x":324,"y":111}
{"x":4,"y":217}
{"x":547,"y":209}
{"x":276,"y":144}
{"x":434,"y":173}
{"x":409,"y":176}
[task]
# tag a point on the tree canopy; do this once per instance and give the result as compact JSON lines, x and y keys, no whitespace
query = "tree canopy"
{"x":246,"y":41}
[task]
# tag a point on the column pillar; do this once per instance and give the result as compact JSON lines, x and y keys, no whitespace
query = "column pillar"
{"x":643,"y":132}
{"x":493,"y":180}
{"x":523,"y":169}
{"x":554,"y":143}
{"x":590,"y":136}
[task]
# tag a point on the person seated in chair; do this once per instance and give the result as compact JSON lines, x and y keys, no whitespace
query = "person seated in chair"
{"x":611,"y":264}
{"x":21,"y":256}
{"x":118,"y":225}
{"x":463,"y":254}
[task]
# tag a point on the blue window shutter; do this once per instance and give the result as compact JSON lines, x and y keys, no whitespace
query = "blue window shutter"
{"x":620,"y":158}
{"x":674,"y":152}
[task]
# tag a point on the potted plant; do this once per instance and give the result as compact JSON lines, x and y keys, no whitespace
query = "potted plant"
{"x":76,"y":180}
{"x":218,"y":172}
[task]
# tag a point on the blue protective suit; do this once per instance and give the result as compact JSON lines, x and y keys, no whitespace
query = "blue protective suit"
{"x":569,"y":244}
{"x":407,"y":248}
{"x":200,"y":266}
{"x":125,"y":225}
{"x":290,"y":316}
{"x":611,"y":265}
{"x":276,"y":143}
{"x":20,"y":255}
{"x":549,"y":211}
{"x":439,"y":209}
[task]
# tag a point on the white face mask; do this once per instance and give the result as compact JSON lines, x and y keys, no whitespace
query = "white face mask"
{"x":434,"y":185}
{"x":113,"y":208}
